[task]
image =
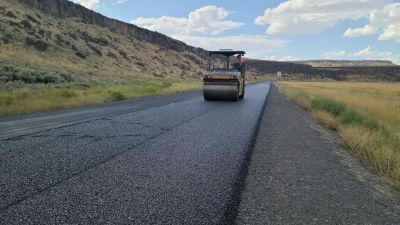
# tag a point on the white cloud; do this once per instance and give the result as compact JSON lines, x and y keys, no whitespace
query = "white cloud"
{"x":313,"y":16}
{"x":367,"y":53}
{"x":334,"y":54}
{"x":391,"y":32}
{"x":287,"y":58}
{"x":202,"y":25}
{"x":257,"y":46}
{"x":90,"y":4}
{"x":121,"y":1}
{"x":205,"y":20}
{"x":366,"y":30}
{"x":385,"y":20}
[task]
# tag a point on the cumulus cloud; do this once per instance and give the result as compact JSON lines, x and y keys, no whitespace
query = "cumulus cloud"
{"x":367,"y":53}
{"x":121,"y":1}
{"x":391,"y":32}
{"x":257,"y":46}
{"x":385,"y":21}
{"x":90,"y":4}
{"x":313,"y":16}
{"x":203,"y":27}
{"x":206,"y":20}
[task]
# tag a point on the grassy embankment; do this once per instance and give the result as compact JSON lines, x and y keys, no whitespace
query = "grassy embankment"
{"x":366,"y":116}
{"x":41,"y":98}
{"x":25,"y":90}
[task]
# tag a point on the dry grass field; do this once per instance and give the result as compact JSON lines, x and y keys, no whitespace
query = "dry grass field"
{"x":366,"y":116}
{"x":26,"y":99}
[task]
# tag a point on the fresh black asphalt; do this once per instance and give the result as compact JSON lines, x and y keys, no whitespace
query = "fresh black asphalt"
{"x":300,"y":174}
{"x":179,"y":162}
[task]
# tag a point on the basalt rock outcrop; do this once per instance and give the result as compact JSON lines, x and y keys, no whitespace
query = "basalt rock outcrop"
{"x":66,"y":9}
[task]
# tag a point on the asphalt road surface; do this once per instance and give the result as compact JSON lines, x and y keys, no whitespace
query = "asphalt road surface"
{"x":161,"y":160}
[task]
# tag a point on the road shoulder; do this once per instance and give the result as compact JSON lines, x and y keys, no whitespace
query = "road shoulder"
{"x":300,"y":174}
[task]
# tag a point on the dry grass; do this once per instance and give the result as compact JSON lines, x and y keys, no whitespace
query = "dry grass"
{"x":366,"y":116}
{"x":326,"y":118}
{"x":26,"y":100}
{"x":380,"y":100}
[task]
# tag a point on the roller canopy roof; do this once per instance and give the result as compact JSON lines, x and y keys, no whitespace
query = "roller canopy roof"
{"x":226,"y":52}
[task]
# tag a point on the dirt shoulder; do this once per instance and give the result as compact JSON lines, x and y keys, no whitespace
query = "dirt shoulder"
{"x":300,"y":174}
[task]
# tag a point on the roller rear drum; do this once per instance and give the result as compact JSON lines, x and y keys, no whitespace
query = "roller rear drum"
{"x":221,"y":91}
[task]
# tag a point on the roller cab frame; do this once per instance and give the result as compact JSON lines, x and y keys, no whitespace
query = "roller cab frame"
{"x":224,"y":82}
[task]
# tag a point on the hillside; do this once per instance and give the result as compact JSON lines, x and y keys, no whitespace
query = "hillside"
{"x":70,"y":38}
{"x":346,"y":63}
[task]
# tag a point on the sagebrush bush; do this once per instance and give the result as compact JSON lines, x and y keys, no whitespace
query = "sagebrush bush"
{"x":9,"y":73}
{"x":117,"y":96}
{"x":6,"y":99}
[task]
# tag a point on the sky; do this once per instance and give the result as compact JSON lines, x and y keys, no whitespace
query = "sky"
{"x":271,"y":29}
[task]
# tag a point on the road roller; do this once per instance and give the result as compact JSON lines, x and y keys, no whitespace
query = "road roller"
{"x":226,"y":80}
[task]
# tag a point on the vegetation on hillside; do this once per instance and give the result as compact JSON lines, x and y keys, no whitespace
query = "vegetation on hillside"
{"x":366,"y":116}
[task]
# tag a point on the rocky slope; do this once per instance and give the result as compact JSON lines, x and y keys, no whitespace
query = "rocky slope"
{"x":63,"y":9}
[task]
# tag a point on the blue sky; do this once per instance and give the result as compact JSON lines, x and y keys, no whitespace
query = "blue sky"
{"x":276,"y":30}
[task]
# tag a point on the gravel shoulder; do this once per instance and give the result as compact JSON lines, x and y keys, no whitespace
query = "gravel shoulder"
{"x":301,"y":174}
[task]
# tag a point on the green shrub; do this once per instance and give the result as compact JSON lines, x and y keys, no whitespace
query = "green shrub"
{"x":351,"y":116}
{"x":6,"y":100}
{"x":166,"y":83}
{"x":345,"y":114}
{"x":10,"y":73}
{"x":328,"y":105}
{"x":117,"y":96}
{"x":23,"y":93}
{"x":68,"y":93}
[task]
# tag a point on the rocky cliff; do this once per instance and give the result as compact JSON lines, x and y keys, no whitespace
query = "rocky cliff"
{"x":271,"y":67}
{"x":65,"y":9}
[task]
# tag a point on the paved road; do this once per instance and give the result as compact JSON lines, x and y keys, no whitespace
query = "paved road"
{"x":178,"y":160}
{"x":300,"y":174}
{"x":12,"y":126}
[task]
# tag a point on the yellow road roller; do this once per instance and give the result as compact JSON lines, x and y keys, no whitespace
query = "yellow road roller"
{"x":226,"y":80}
